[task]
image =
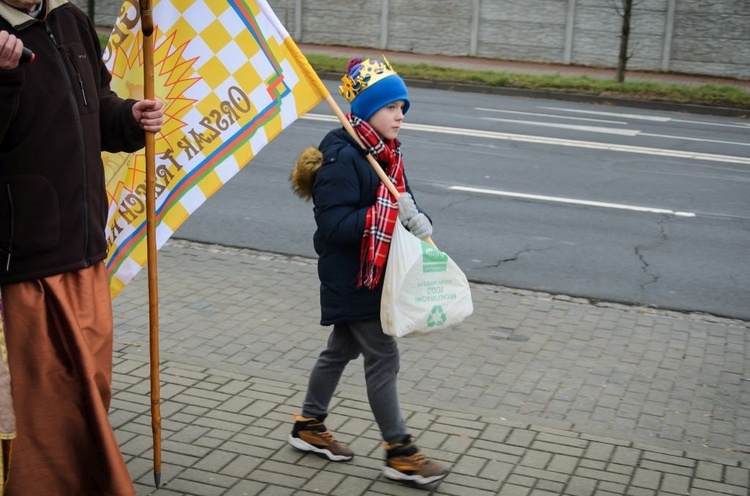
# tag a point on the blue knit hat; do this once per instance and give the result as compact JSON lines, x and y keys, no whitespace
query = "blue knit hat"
{"x":370,"y":85}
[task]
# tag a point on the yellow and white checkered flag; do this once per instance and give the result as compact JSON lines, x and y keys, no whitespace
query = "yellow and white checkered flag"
{"x":231,"y":80}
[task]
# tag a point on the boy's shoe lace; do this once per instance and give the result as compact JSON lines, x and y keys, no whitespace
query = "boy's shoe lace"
{"x":310,"y":434}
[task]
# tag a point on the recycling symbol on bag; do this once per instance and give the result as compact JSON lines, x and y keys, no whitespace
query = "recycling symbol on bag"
{"x":437,"y":317}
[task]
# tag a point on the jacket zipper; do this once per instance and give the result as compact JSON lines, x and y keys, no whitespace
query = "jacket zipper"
{"x":79,"y":128}
{"x":10,"y":229}
{"x":80,"y":80}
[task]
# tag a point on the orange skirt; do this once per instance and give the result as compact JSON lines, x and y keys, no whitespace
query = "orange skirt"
{"x":7,"y":417}
{"x":59,"y":333}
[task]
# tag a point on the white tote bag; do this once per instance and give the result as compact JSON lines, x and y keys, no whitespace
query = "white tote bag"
{"x":423,"y":289}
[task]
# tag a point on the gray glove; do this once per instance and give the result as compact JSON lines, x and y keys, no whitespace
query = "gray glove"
{"x":419,"y":226}
{"x":406,"y":207}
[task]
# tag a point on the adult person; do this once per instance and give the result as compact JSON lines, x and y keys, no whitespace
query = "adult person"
{"x":56,"y":116}
{"x":355,"y":216}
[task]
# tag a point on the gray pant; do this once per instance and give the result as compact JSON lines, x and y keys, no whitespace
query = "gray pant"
{"x":346,"y":342}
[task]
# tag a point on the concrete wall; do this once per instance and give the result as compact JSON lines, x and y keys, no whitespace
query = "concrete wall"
{"x":690,"y":36}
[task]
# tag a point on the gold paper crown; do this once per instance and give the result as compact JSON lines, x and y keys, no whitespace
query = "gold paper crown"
{"x":364,"y":75}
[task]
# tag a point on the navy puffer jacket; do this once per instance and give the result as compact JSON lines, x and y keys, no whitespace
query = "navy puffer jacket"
{"x":344,"y":188}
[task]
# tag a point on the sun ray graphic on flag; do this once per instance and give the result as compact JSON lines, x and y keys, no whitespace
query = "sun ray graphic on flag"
{"x":126,"y":171}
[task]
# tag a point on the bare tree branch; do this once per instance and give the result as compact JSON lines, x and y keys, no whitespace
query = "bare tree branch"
{"x":623,"y":56}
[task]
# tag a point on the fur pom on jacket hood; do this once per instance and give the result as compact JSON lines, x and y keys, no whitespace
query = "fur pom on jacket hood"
{"x":337,"y":145}
{"x":303,"y":173}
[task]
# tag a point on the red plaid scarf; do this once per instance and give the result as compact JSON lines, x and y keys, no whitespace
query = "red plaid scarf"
{"x":381,"y":217}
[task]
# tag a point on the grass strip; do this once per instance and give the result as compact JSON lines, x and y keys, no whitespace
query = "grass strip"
{"x":711,"y":95}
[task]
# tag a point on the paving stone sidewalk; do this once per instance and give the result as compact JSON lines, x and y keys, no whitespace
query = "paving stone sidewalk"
{"x":534,"y":394}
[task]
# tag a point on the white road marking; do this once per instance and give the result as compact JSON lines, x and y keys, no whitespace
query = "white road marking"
{"x":573,"y":201}
{"x":476,"y":133}
{"x":706,"y":123}
{"x":588,"y":129}
{"x":481,"y":109}
{"x":695,"y":139}
{"x":642,"y":117}
{"x":603,"y":129}
{"x":649,"y":117}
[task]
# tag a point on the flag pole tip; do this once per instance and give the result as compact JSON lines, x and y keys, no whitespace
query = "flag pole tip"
{"x":157,"y":479}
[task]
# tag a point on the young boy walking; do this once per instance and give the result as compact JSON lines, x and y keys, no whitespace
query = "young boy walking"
{"x":355,"y":216}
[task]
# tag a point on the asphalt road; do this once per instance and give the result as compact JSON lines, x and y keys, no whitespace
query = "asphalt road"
{"x":624,"y":205}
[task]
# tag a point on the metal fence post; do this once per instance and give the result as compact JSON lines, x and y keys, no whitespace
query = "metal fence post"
{"x":385,"y":7}
{"x":570,"y":21}
{"x":666,"y":51}
{"x":474,"y":42}
{"x":298,"y":21}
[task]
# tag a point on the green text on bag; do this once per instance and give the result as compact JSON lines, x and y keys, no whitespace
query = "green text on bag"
{"x":433,"y":260}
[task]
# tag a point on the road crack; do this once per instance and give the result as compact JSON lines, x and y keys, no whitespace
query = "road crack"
{"x":640,"y":253}
{"x":516,"y":256}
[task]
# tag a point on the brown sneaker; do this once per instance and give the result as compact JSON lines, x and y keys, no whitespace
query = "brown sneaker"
{"x":404,"y":462}
{"x":310,"y":434}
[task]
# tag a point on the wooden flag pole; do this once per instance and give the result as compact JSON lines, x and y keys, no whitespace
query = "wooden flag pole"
{"x":323,"y":91}
{"x":147,"y":26}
